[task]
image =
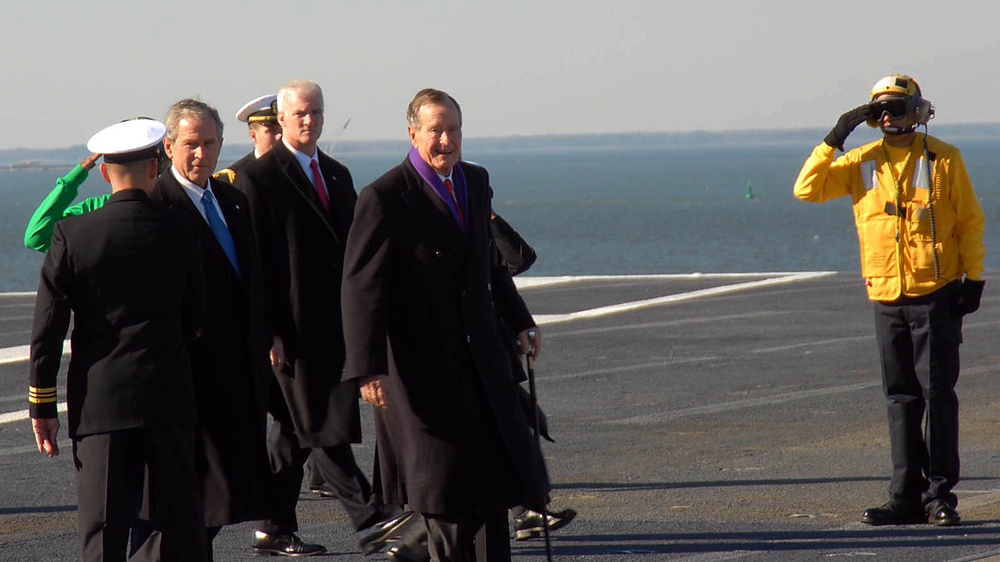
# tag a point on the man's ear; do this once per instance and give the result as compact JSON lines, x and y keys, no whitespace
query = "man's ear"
{"x":104,"y":172}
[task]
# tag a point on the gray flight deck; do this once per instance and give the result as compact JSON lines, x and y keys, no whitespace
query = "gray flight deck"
{"x":697,"y":418}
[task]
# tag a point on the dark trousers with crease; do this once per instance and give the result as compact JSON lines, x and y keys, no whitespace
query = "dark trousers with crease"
{"x":335,"y":465}
{"x":121,"y":473}
{"x":919,"y":340}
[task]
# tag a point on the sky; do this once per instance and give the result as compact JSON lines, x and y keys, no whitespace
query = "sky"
{"x":518,"y":67}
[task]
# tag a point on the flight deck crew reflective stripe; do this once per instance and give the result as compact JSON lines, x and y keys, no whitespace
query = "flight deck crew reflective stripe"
{"x":922,"y":173}
{"x":869,"y":174}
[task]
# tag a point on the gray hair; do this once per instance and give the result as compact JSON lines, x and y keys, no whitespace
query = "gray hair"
{"x":429,"y":96}
{"x":195,"y":109}
{"x":298,"y":88}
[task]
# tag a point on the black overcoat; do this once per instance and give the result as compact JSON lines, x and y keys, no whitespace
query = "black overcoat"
{"x":421,"y":304}
{"x":302,"y":254}
{"x":230,"y":362}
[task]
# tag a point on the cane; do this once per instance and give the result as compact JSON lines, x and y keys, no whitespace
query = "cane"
{"x":529,"y":356}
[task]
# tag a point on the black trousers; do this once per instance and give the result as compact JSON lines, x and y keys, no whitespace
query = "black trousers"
{"x":335,"y":465}
{"x":919,"y":340}
{"x":468,"y":538}
{"x":114,"y":470}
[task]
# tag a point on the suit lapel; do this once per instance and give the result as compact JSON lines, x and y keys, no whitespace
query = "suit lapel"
{"x":304,"y":187}
{"x":174,"y":196}
{"x":427,"y":205}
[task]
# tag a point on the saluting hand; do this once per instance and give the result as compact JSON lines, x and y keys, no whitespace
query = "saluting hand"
{"x":45,"y":435}
{"x":846,"y":124}
{"x":90,"y":161}
{"x":373,"y":392}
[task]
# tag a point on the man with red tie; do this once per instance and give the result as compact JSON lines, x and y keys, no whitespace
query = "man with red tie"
{"x":301,"y":205}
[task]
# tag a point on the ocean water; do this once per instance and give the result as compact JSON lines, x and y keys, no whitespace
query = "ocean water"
{"x":615,"y":209}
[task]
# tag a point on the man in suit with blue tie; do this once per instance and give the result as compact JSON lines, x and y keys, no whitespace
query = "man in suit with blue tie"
{"x":229,"y":357}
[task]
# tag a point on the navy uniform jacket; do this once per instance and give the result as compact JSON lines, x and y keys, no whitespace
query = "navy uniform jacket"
{"x":131,"y":275}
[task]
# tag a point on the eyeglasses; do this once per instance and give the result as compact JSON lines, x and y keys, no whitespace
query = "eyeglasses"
{"x":897,"y":108}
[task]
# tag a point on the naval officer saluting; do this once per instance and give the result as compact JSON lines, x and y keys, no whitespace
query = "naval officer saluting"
{"x":130,"y":274}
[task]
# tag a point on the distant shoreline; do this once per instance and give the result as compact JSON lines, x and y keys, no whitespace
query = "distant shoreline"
{"x":953,"y":133}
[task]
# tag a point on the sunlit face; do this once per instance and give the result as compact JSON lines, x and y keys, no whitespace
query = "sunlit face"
{"x":438,"y":136}
{"x":195,"y":151}
{"x":264,"y":136}
{"x":301,"y":120}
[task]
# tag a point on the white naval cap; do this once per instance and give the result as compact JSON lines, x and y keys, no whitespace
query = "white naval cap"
{"x":259,"y":110}
{"x":128,"y":141}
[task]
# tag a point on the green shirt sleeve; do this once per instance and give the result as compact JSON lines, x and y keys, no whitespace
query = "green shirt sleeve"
{"x":56,"y":206}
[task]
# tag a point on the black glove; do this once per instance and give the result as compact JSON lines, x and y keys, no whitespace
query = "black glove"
{"x":847,"y":123}
{"x":970,"y":293}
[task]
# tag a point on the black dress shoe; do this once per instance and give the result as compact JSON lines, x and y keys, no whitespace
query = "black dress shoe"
{"x":942,"y":514}
{"x":530,"y":526}
{"x":889,"y":514}
{"x":404,"y":552}
{"x":283,"y":544}
{"x":374,"y":538}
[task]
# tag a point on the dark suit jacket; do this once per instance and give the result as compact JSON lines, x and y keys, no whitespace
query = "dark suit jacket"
{"x":421,"y":304}
{"x":131,"y":274}
{"x":230,"y":362}
{"x":302,"y":249}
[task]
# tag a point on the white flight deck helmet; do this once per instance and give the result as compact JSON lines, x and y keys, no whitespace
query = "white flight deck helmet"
{"x":900,"y":87}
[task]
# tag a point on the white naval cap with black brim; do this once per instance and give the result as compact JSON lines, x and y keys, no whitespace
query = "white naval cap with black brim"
{"x":129,"y":141}
{"x":259,"y":110}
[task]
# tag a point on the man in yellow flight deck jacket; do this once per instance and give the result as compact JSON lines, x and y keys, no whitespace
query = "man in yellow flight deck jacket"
{"x":920,"y":229}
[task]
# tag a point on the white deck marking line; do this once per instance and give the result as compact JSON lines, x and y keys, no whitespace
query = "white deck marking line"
{"x":765,"y":400}
{"x":21,"y":415}
{"x":529,"y":282}
{"x":742,"y":404}
{"x":625,"y":368}
{"x":550,"y":319}
{"x":666,"y":323}
{"x":21,"y":353}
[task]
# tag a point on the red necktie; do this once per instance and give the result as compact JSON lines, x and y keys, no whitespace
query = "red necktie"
{"x":451,"y":191}
{"x":320,"y":186}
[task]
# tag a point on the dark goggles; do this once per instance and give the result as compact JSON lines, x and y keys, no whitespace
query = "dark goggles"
{"x":897,"y":108}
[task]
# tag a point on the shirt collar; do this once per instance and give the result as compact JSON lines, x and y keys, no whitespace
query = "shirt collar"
{"x":301,"y":157}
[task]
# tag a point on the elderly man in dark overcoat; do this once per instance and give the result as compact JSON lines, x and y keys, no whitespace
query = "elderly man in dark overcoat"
{"x":302,"y":203}
{"x":229,"y":356}
{"x":422,"y":296}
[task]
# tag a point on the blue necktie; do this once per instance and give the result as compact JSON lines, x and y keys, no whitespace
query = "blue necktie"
{"x":219,"y":229}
